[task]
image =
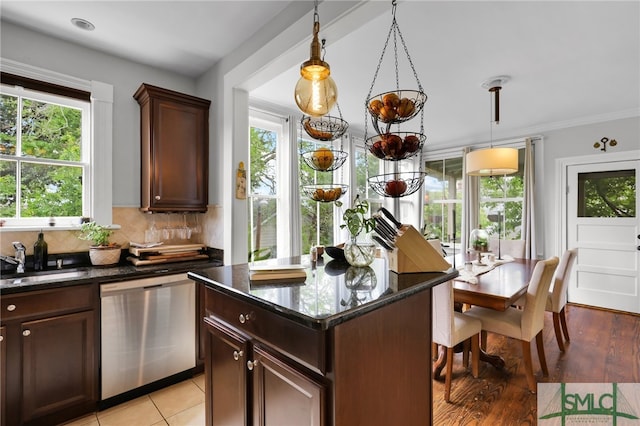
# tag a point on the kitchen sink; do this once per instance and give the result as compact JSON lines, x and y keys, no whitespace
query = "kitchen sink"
{"x":47,"y":277}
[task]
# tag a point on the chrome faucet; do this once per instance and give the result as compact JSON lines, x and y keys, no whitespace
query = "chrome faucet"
{"x":20,"y":255}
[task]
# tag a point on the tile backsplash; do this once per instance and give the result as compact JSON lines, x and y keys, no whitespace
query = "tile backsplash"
{"x":133,"y":224}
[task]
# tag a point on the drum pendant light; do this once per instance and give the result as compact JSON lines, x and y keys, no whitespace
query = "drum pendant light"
{"x":315,"y":92}
{"x":493,"y":161}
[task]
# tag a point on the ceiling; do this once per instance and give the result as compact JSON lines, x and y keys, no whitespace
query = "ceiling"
{"x":569,"y":63}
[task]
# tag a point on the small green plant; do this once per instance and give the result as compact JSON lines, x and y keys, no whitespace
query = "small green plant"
{"x":97,"y":234}
{"x":354,"y":218}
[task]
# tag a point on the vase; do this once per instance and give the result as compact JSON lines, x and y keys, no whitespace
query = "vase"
{"x":359,"y":253}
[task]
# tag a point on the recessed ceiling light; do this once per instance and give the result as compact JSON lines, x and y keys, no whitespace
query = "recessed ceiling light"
{"x":83,"y":24}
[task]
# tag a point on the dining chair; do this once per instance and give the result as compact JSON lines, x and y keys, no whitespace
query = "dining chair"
{"x":557,"y":296}
{"x":449,"y":328}
{"x":523,"y":324}
{"x":513,"y":248}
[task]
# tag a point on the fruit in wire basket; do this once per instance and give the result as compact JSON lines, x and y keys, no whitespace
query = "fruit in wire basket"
{"x":322,"y":158}
{"x":375,"y":106}
{"x":395,"y":187}
{"x":392,"y":107}
{"x":391,"y":144}
{"x":315,"y":133}
{"x":411,"y":143}
{"x":331,"y":194}
{"x":406,"y":107}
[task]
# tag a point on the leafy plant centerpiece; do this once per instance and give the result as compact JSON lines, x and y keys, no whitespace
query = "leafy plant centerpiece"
{"x":355,"y":221}
{"x":102,"y":251}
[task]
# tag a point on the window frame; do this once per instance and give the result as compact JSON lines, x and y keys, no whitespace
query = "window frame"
{"x":101,"y":142}
{"x":19,"y":158}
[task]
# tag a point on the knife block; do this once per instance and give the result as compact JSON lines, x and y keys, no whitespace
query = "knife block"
{"x":415,"y":254}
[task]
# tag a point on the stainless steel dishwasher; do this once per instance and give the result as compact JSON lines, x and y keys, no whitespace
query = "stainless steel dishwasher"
{"x":148,"y":331}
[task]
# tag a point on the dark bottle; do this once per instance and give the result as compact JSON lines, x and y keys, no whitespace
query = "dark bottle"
{"x":40,"y":253}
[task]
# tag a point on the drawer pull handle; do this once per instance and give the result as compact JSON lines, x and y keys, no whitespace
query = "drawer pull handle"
{"x":157,"y":197}
{"x":252,"y":364}
{"x":26,"y":333}
{"x":1,"y":338}
{"x":237,"y":355}
{"x":11,"y":308}
{"x":243,"y":318}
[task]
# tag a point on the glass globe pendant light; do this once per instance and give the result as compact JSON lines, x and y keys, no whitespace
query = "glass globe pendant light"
{"x":315,"y":92}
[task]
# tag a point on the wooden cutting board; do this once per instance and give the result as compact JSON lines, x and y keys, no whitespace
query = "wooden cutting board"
{"x":162,"y":250}
{"x":140,"y":262}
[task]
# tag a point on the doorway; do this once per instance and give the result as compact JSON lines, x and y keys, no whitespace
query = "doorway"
{"x":602,"y":223}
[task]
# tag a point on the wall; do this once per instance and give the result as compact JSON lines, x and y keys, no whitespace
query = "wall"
{"x":577,"y":142}
{"x":25,"y":46}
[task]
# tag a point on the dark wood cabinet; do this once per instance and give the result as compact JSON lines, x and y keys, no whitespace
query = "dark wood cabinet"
{"x":50,"y":355}
{"x":174,"y":132}
{"x":3,"y":375}
{"x":250,"y":383}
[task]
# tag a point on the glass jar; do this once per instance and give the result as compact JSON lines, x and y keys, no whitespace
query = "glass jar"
{"x":479,"y":240}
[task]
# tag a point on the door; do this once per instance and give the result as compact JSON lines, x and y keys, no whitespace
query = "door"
{"x":226,"y":366}
{"x":283,"y":395}
{"x":58,"y":364}
{"x":603,"y":224}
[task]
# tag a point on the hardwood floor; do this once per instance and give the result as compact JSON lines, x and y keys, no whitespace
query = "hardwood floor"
{"x":604,"y":347}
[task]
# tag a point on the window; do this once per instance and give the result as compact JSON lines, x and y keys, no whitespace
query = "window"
{"x":501,"y":200}
{"x":443,"y":202}
{"x":607,"y":194}
{"x":263,"y":180}
{"x":44,"y":157}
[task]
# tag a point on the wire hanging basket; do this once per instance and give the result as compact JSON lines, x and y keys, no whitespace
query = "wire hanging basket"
{"x":327,"y":193}
{"x":325,"y":128}
{"x":392,"y":108}
{"x":396,"y":185}
{"x":395,"y":146}
{"x":324,"y":159}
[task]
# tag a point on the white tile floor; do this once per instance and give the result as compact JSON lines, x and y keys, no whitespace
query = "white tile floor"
{"x":179,"y":405}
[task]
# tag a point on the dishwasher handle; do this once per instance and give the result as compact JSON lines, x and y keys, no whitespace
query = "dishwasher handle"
{"x":144,"y":284}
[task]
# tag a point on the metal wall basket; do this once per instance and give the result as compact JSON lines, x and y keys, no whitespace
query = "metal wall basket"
{"x":396,"y":185}
{"x":395,"y":146}
{"x":325,"y":160}
{"x":325,"y":128}
{"x":325,"y":193}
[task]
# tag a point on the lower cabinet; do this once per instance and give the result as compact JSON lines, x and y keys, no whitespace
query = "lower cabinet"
{"x":49,"y":352}
{"x":248,"y":384}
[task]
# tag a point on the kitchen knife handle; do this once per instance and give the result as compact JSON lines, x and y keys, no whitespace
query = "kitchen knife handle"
{"x":389,"y":216}
{"x":385,"y":225}
{"x":382,"y":242}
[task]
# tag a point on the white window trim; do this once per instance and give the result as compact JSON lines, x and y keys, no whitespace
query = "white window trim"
{"x":101,"y":198}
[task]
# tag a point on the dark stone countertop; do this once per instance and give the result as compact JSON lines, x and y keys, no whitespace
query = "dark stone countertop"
{"x":54,"y":278}
{"x":332,"y":293}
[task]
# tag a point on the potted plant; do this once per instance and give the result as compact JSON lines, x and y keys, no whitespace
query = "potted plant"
{"x":358,"y":253}
{"x":102,"y":251}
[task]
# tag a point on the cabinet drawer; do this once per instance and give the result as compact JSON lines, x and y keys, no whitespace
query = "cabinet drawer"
{"x":300,"y":343}
{"x":47,"y":302}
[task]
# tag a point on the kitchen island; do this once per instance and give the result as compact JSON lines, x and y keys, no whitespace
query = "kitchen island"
{"x":343,"y":346}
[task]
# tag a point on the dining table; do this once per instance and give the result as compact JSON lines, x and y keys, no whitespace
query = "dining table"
{"x":494,"y":285}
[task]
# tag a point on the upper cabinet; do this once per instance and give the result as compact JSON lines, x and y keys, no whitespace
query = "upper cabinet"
{"x":174,"y":135}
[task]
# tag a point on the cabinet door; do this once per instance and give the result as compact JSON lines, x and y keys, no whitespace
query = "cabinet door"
{"x":226,"y":371}
{"x":58,"y":366}
{"x":179,"y":160}
{"x":283,"y":395}
{"x":3,"y":375}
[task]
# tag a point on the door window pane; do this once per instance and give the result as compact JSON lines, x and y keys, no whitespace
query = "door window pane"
{"x":607,"y":194}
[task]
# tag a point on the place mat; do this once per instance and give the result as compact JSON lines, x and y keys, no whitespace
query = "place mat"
{"x":479,"y":269}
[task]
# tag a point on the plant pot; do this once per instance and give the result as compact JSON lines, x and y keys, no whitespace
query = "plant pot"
{"x":104,"y":255}
{"x":359,"y":253}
